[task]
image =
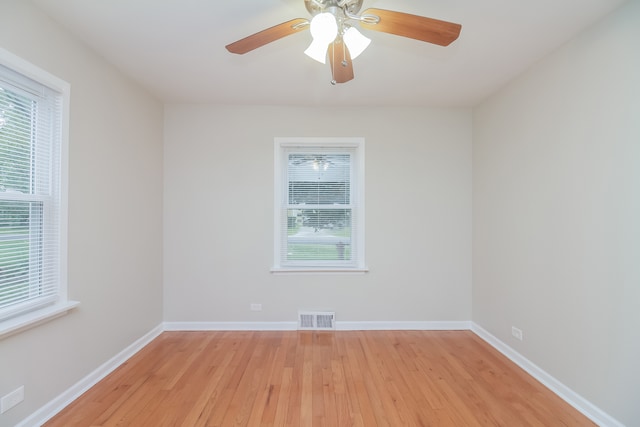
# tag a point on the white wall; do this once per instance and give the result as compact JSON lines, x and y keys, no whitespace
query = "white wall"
{"x":218,"y":224}
{"x":556,"y":201}
{"x":115,"y":216}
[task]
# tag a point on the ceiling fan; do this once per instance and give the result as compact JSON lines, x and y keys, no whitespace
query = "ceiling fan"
{"x":334,"y":34}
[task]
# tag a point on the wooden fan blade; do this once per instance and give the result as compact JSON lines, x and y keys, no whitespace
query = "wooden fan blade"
{"x":269,"y":35}
{"x":341,"y":65}
{"x":413,"y":26}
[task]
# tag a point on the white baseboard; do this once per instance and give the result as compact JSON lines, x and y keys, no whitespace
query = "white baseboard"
{"x":591,"y":411}
{"x":341,"y":326}
{"x":46,"y":412}
{"x":230,"y":326}
{"x":403,"y":326}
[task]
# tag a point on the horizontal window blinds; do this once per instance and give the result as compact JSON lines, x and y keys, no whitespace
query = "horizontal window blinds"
{"x":30,"y":137}
{"x":318,"y":210}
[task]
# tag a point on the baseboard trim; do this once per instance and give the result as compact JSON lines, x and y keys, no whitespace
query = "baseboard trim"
{"x":341,"y":326}
{"x":404,"y":326}
{"x":581,"y":404}
{"x":56,"y":405}
{"x":230,"y":326}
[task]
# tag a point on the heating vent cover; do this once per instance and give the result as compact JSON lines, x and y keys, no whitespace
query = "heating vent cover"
{"x":317,"y":320}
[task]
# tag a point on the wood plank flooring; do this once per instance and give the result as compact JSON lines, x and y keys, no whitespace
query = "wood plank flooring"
{"x":361,"y":378}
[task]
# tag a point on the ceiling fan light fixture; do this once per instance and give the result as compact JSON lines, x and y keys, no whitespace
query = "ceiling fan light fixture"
{"x":355,"y":41}
{"x":324,"y":29}
{"x":336,"y":38}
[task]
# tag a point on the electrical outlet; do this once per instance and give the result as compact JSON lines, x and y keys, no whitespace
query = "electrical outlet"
{"x":12,"y":399}
{"x":256,"y":307}
{"x":517,"y":333}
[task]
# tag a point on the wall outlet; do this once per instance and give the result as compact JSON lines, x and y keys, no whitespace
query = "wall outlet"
{"x":12,"y":399}
{"x":517,"y":333}
{"x":256,"y":307}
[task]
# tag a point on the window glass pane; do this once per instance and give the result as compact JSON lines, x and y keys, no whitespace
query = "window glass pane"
{"x":319,"y":179}
{"x":20,"y":240}
{"x":319,"y":234}
{"x":15,"y":142}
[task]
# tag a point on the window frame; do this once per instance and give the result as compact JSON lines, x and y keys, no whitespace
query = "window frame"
{"x":58,"y":304}
{"x":356,"y":147}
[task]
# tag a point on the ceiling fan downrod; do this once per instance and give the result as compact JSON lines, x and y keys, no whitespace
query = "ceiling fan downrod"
{"x":342,"y":9}
{"x":318,"y":6}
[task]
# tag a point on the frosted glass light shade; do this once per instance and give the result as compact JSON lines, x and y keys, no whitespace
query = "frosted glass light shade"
{"x":317,"y":51}
{"x":324,"y":30}
{"x":355,"y":41}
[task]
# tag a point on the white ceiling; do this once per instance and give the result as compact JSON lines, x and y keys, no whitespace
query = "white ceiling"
{"x":175,"y":48}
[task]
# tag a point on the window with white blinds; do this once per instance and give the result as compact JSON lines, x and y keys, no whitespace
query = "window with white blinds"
{"x":30,"y":193}
{"x":319,"y":204}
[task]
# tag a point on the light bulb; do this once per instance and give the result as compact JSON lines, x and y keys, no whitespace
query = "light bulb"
{"x":324,"y":30}
{"x":355,"y":41}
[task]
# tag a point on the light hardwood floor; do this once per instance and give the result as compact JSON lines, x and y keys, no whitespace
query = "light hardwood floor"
{"x":363,"y":378}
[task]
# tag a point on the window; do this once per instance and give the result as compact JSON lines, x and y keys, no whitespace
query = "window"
{"x":319,"y":206}
{"x":32,"y":199}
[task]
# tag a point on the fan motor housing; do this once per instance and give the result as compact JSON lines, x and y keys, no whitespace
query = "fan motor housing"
{"x":318,"y":6}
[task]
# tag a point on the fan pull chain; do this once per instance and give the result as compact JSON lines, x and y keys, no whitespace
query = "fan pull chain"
{"x":344,"y":56}
{"x":333,"y":57}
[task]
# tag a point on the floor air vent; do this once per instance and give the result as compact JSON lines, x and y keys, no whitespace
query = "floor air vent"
{"x":316,"y":320}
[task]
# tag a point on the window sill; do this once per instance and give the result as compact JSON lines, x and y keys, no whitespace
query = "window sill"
{"x":26,"y":321}
{"x":318,"y":270}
